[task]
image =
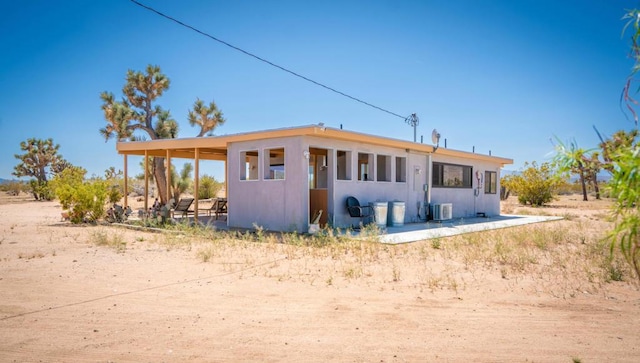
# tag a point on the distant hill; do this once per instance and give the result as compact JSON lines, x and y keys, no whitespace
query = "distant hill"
{"x":3,"y":181}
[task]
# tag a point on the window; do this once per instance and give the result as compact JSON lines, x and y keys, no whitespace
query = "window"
{"x":249,"y":165}
{"x":365,"y":165}
{"x":318,"y":168}
{"x":451,"y":175}
{"x":274,"y":159}
{"x":343,"y":171}
{"x":490,"y":182}
{"x":401,"y":169}
{"x":383,"y":168}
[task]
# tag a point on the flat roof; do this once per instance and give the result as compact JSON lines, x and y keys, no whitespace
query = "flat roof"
{"x":215,"y":147}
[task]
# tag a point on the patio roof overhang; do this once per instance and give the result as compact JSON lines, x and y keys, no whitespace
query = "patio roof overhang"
{"x":215,"y":147}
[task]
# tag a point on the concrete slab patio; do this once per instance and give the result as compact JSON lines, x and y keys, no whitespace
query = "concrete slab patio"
{"x":413,"y":232}
{"x":421,"y":231}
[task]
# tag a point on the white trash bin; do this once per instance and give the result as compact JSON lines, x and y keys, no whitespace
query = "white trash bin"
{"x":396,"y":217}
{"x":380,"y":213}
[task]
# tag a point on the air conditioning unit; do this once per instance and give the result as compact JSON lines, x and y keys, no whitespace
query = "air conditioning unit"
{"x":442,"y":212}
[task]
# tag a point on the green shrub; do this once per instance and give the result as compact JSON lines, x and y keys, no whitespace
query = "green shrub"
{"x":85,"y":200}
{"x":115,"y":194}
{"x":209,"y":187}
{"x":535,"y":185}
{"x":40,"y":190}
{"x":625,"y":188}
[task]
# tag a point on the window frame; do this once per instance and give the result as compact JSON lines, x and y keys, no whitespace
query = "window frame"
{"x":401,"y":169}
{"x":490,"y":182}
{"x":383,"y":168}
{"x":344,"y":165}
{"x":270,"y":165}
{"x":366,"y":167}
{"x":245,"y":166}
{"x":438,"y":170}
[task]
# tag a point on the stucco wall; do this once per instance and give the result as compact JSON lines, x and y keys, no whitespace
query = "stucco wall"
{"x":284,"y":204}
{"x":410,"y":191}
{"x":271,"y":204}
{"x":465,"y":202}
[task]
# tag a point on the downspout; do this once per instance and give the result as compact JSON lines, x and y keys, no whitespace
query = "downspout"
{"x":429,"y":185}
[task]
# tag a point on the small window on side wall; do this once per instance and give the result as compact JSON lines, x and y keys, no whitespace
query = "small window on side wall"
{"x":383,"y":167}
{"x":365,"y":166}
{"x":274,"y":159}
{"x":490,"y":182}
{"x":249,"y":165}
{"x":343,"y":162}
{"x":401,"y":169}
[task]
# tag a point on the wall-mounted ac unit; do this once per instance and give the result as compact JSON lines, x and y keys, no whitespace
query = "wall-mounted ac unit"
{"x":442,"y":212}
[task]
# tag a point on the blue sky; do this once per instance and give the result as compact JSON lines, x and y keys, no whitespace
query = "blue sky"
{"x":501,"y":76}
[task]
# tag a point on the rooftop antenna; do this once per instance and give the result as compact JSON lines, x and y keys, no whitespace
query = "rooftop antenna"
{"x":413,"y":121}
{"x":435,"y":137}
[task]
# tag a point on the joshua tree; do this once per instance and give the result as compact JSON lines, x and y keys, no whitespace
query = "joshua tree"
{"x":573,"y":160}
{"x":40,"y":160}
{"x":207,"y":117}
{"x":593,"y":167}
{"x":137,"y":113}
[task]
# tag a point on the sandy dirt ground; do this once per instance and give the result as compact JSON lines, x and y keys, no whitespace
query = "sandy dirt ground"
{"x":152,"y":297}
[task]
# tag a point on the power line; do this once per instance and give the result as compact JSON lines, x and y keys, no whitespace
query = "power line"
{"x":268,"y":62}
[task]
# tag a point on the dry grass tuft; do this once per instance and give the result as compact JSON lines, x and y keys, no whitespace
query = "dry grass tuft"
{"x":560,"y":258}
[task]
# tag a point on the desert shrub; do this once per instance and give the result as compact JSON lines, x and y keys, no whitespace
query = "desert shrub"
{"x":535,"y":185}
{"x":14,"y":187}
{"x":40,"y":190}
{"x":85,"y":200}
{"x":114,"y":194}
{"x":182,"y":182}
{"x":571,"y":188}
{"x":116,"y":181}
{"x":209,"y":187}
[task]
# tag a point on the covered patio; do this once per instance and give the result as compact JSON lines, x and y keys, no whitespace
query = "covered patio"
{"x":195,"y":149}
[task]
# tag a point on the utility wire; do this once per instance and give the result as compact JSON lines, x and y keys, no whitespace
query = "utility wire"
{"x":56,"y":307}
{"x":266,"y":61}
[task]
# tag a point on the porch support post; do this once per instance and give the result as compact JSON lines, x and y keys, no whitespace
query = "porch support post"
{"x":126,"y":186}
{"x":226,"y":177}
{"x":196,"y":183}
{"x":146,"y":181}
{"x":168,"y":172}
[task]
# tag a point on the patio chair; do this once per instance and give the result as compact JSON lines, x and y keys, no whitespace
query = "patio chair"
{"x":182,"y":207}
{"x":358,"y":211}
{"x":219,"y":207}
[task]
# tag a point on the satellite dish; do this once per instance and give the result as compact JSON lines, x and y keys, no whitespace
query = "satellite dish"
{"x":435,"y":136}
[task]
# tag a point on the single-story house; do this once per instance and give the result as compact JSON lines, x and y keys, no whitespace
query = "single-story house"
{"x":279,"y":179}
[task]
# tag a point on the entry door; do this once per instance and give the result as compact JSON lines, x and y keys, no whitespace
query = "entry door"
{"x":318,"y":183}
